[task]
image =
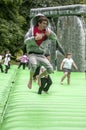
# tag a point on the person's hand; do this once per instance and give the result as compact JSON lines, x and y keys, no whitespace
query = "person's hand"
{"x":38,"y":36}
{"x":47,"y":33}
{"x":46,"y":76}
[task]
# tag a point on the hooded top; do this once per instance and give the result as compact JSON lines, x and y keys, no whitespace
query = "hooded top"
{"x":35,"y":19}
{"x":29,"y":41}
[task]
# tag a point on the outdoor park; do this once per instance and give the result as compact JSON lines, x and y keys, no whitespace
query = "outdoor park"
{"x":63,"y":105}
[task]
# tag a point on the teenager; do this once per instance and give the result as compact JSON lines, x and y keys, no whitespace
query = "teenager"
{"x":36,"y":41}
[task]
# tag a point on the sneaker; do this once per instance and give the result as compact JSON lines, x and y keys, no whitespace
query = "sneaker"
{"x":45,"y":92}
{"x":39,"y":93}
{"x":61,"y":83}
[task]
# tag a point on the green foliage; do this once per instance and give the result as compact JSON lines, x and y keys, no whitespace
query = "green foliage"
{"x":28,"y":4}
{"x":15,"y":2}
{"x":83,"y":1}
{"x":15,"y":19}
{"x":11,"y":35}
{"x":11,"y":25}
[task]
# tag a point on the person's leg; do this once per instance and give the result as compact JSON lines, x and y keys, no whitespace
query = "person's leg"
{"x":85,"y":74}
{"x":63,"y":77}
{"x":68,"y":78}
{"x":49,"y":68}
{"x":8,"y":65}
{"x":30,"y":79}
{"x":33,"y":66}
{"x":19,"y":65}
{"x":46,"y":63}
{"x":36,"y":72}
{"x":1,"y":68}
{"x":49,"y":83}
{"x":43,"y":82}
{"x":6,"y":68}
{"x":40,"y":76}
{"x":23,"y":66}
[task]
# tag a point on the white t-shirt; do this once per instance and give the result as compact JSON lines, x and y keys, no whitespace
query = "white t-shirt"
{"x":42,"y":69}
{"x":8,"y":55}
{"x":0,"y":58}
{"x":67,"y":63}
{"x":7,"y":59}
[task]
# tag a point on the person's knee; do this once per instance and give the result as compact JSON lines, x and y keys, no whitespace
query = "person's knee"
{"x":33,"y":68}
{"x":66,"y":73}
{"x":50,"y":83}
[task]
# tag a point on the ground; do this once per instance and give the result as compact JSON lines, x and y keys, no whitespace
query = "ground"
{"x":63,"y":108}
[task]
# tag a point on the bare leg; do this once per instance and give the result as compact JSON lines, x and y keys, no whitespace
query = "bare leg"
{"x":40,"y":76}
{"x":64,"y":76}
{"x":68,"y":79}
{"x":30,"y":80}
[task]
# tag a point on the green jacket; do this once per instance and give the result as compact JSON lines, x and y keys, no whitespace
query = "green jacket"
{"x":29,"y":41}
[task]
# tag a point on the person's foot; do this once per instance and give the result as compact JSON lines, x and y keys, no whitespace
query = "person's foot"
{"x":39,"y":93}
{"x":46,"y":92}
{"x":61,"y":83}
{"x":30,"y":84}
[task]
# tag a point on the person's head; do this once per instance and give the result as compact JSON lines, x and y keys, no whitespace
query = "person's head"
{"x":7,"y":51}
{"x":39,"y":18}
{"x":42,"y":22}
{"x":47,"y":56}
{"x":68,"y":55}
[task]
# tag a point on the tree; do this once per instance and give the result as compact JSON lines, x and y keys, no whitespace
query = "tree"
{"x":11,"y":25}
{"x":15,"y":19}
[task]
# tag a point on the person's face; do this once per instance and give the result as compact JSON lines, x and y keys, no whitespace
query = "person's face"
{"x":43,"y":25}
{"x":8,"y":52}
{"x":69,"y":56}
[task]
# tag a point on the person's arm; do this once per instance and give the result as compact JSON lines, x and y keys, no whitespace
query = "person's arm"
{"x":61,"y":66}
{"x":29,"y":37}
{"x":52,"y":36}
{"x":75,"y":66}
{"x":29,"y":34}
{"x":58,"y":47}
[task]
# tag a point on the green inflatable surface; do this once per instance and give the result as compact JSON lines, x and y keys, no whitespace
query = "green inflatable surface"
{"x":63,"y":108}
